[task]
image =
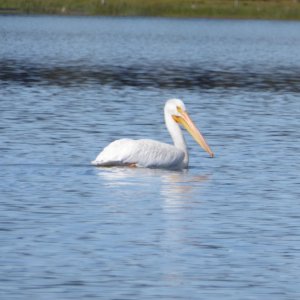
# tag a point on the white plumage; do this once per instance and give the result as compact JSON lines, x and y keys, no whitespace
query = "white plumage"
{"x":153,"y":154}
{"x":143,"y":153}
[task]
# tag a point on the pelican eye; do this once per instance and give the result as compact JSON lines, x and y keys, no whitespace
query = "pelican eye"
{"x":179,"y":109}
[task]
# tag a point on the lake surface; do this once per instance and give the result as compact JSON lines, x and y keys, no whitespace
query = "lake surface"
{"x":226,"y":228}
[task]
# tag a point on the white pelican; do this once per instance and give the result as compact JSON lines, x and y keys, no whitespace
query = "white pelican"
{"x":153,"y":154}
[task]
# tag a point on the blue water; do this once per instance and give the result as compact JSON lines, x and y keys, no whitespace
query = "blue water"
{"x":226,"y":228}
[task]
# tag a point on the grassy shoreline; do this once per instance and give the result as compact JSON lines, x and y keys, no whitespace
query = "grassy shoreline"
{"x":241,"y":9}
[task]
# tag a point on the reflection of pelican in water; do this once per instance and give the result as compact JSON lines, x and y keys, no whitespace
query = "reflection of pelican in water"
{"x":171,"y":185}
{"x":154,"y":154}
{"x":180,"y":186}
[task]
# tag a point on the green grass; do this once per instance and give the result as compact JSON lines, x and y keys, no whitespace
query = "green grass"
{"x":257,"y":9}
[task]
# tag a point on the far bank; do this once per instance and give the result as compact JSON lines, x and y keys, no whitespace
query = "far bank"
{"x":241,"y":9}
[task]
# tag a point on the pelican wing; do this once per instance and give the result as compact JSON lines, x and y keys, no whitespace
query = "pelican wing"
{"x":142,"y":153}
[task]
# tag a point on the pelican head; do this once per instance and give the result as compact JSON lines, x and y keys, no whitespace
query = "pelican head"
{"x":176,"y":109}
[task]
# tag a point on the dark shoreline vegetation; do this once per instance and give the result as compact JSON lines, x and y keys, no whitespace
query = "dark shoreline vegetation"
{"x":159,"y":76}
{"x":241,"y":9}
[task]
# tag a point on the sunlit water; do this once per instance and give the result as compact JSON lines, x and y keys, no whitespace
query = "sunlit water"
{"x":227,"y":228}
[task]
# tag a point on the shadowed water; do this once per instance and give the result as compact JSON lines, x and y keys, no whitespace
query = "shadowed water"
{"x":226,"y":228}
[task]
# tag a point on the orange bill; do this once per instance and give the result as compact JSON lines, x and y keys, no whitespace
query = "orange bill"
{"x":189,"y":125}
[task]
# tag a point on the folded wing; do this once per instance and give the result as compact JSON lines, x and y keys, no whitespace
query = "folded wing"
{"x":142,"y":153}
